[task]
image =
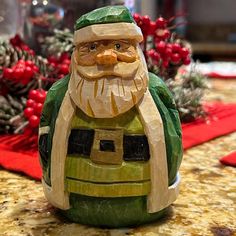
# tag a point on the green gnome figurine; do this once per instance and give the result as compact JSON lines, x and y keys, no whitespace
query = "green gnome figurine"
{"x":110,"y":137}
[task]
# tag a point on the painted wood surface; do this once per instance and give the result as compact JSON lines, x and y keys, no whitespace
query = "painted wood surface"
{"x":108,"y":78}
{"x":108,"y":190}
{"x":112,"y":31}
{"x":84,"y":169}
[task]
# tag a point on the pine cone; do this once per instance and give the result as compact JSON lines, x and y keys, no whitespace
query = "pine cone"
{"x":20,"y":89}
{"x":11,"y":113}
{"x":9,"y":56}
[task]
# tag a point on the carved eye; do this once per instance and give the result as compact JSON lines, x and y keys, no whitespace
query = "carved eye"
{"x":117,"y":46}
{"x":92,"y":47}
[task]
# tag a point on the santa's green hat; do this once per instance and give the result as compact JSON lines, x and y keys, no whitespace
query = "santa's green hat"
{"x":112,"y":22}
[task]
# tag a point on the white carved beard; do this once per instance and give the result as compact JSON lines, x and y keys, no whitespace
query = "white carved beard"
{"x":107,"y":97}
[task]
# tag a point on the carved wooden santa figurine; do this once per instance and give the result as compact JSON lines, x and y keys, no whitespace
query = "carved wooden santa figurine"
{"x":110,"y":137}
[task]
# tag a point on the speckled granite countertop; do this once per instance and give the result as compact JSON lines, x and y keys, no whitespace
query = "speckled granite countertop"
{"x":206,"y":204}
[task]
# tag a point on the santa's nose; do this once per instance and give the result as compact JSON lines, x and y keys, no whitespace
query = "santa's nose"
{"x":107,"y":57}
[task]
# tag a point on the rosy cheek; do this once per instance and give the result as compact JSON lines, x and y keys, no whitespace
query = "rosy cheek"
{"x":86,"y":60}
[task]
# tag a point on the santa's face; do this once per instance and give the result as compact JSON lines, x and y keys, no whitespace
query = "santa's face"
{"x":109,"y":77}
{"x":106,"y":52}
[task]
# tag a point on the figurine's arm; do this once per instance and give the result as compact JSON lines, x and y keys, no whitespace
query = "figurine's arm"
{"x":44,"y":135}
{"x":51,"y":107}
{"x":172,"y":127}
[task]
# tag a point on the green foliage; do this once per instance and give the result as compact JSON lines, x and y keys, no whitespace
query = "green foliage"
{"x":188,"y":90}
{"x":60,"y":42}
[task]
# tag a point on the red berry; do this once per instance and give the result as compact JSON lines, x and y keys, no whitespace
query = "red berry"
{"x":64,"y":56}
{"x":52,"y":59}
{"x":152,"y":28}
{"x":42,"y":91}
{"x":165,"y":64}
{"x":146,"y":20}
{"x":20,"y":66}
{"x":151,"y":52}
{"x":40,"y":97}
{"x":184,"y":52}
{"x":28,"y":73}
{"x":28,"y":112}
{"x":175,"y":58}
{"x":66,"y":61}
{"x":157,"y":39}
{"x":29,"y":63}
{"x":156,"y":56}
{"x":13,"y":41}
{"x":34,"y":121}
{"x":38,"y":108}
{"x":168,"y":52}
{"x":25,"y":47}
{"x":187,"y":61}
{"x":161,"y":23}
{"x":159,"y":33}
{"x":64,"y":69}
{"x":31,"y":52}
{"x":166,"y":34}
{"x":30,"y":102}
{"x":169,"y":45}
{"x":161,"y":46}
{"x":176,"y":47}
{"x":33,"y":94}
{"x":162,"y":34}
{"x":8,"y":73}
{"x":35,"y":104}
{"x":21,"y":62}
{"x":24,"y":81}
{"x":136,"y":17}
{"x":60,"y":76}
{"x":18,"y":73}
{"x":35,"y":68}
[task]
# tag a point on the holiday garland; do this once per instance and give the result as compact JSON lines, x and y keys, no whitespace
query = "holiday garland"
{"x":24,"y":75}
{"x":163,"y":50}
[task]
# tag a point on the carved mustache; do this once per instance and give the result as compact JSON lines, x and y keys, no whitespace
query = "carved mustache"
{"x":122,"y":69}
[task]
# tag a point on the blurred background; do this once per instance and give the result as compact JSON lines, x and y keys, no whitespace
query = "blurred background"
{"x":210,"y":24}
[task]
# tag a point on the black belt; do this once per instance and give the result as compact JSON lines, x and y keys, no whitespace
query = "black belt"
{"x":135,"y":147}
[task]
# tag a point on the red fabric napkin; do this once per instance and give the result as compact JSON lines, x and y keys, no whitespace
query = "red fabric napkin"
{"x":19,"y":152}
{"x":220,"y":76}
{"x":229,"y":160}
{"x":220,"y":120}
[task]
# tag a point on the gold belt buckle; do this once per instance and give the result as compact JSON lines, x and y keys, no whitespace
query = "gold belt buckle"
{"x":107,"y":147}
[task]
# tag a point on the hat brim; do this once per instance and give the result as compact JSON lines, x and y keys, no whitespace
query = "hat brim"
{"x":108,"y":31}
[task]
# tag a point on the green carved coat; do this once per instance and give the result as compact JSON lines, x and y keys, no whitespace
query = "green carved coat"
{"x":123,"y":211}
